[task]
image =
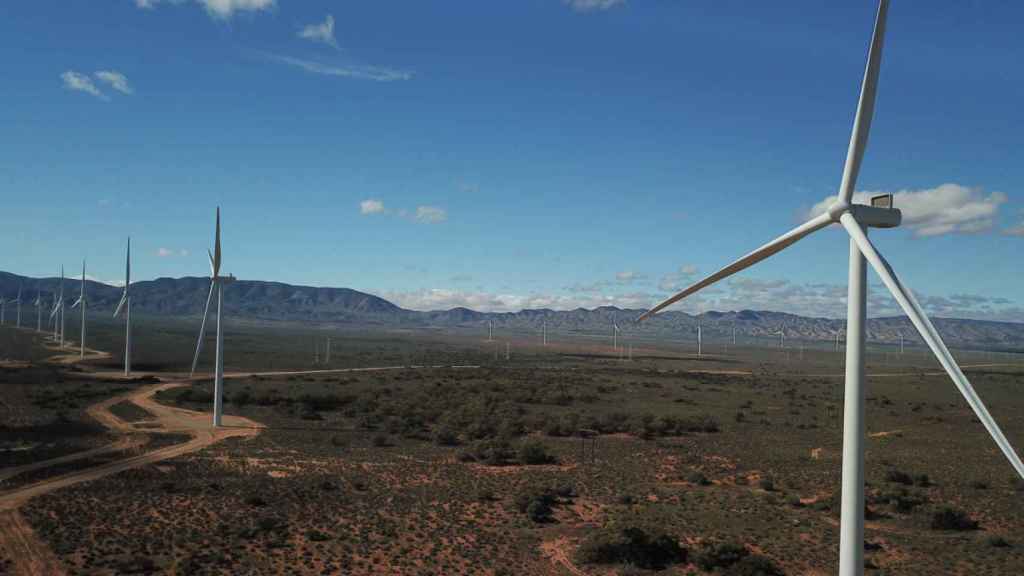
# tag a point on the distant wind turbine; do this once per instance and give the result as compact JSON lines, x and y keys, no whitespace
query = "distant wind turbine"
{"x":38,"y":303}
{"x":18,"y":302}
{"x":217,"y":283}
{"x":856,"y":219}
{"x":58,"y":312}
{"x":126,"y":305}
{"x":81,"y":302}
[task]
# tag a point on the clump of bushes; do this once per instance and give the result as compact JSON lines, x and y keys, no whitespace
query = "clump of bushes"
{"x":494,"y":451}
{"x":644,"y":547}
{"x":536,"y":503}
{"x":953,"y":519}
{"x":734,"y":559}
{"x":698,"y":478}
{"x":535,"y":452}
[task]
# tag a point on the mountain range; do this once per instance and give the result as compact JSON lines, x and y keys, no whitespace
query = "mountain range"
{"x":275,"y":301}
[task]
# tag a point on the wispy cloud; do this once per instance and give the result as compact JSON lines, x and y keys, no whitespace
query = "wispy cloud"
{"x":169,"y":252}
{"x":355,"y":72}
{"x":322,"y":32}
{"x":592,"y":5}
{"x":946,"y":209}
{"x":629,"y":277}
{"x":81,"y":83}
{"x":116,"y":80}
{"x":679,"y":279}
{"x":223,"y":9}
{"x":430,"y":215}
{"x":1017,"y":230}
{"x":371,"y":206}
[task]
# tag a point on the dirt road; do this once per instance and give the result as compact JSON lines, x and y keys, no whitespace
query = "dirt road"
{"x":17,"y":538}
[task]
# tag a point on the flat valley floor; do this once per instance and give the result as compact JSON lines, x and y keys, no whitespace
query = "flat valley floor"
{"x":431,"y":453}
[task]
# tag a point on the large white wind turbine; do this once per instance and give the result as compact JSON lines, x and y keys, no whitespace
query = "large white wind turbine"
{"x":18,"y":302}
{"x":81,"y":302}
{"x":856,"y":219}
{"x":126,"y":305}
{"x":58,"y":312}
{"x":217,"y":283}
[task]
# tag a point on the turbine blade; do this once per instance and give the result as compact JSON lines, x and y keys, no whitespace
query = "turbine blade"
{"x":202,"y":329}
{"x":931,"y":336}
{"x":213,"y":267}
{"x":216,"y":246}
{"x":128,"y":266}
{"x":865,"y":107}
{"x":120,"y":305}
{"x":77,"y":302}
{"x":747,"y":261}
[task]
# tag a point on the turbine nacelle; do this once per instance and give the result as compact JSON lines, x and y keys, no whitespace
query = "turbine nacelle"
{"x":879,"y":214}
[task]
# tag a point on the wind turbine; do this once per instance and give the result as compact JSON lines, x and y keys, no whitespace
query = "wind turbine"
{"x":38,"y":303}
{"x":700,"y":338}
{"x":490,"y":330}
{"x":3,"y":310}
{"x":544,"y":331}
{"x":856,"y":218}
{"x":81,"y":302}
{"x":58,"y":312}
{"x":782,"y":337}
{"x":217,"y":283}
{"x":126,"y":305}
{"x":615,"y":335}
{"x":18,"y":302}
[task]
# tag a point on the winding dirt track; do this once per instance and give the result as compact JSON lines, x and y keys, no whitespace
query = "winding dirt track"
{"x":30,"y":555}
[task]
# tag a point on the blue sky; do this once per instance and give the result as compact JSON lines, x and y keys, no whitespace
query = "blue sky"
{"x":502,"y":155}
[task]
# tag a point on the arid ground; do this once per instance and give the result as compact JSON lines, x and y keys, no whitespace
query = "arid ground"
{"x":430,"y":453}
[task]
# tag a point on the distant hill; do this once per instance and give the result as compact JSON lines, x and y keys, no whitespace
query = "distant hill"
{"x":276,"y":301}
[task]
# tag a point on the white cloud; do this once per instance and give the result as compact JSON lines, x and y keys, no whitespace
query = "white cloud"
{"x":946,"y":209}
{"x":170,"y":252}
{"x":593,"y":5}
{"x":116,"y":80}
{"x":115,"y":283}
{"x":223,"y":9}
{"x":226,"y":8}
{"x":371,"y":206}
{"x":629,"y":277}
{"x":81,"y":83}
{"x":678,"y":280}
{"x":1017,"y":230}
{"x":356,"y":72}
{"x":444,"y":299}
{"x":323,"y":32}
{"x":430,"y":215}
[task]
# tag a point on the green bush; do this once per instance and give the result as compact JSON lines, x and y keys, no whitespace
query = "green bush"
{"x":953,"y":519}
{"x":647,"y":548}
{"x":698,"y":478}
{"x":535,"y":452}
{"x":722,"y":555}
{"x":754,"y":565}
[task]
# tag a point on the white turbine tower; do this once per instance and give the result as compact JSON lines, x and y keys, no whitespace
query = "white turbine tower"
{"x":700,"y":337}
{"x":126,"y":305}
{"x":615,"y":336}
{"x":217,"y":283}
{"x":58,"y":312}
{"x":855,"y":218}
{"x":38,"y":303}
{"x":81,"y":302}
{"x":18,"y":302}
